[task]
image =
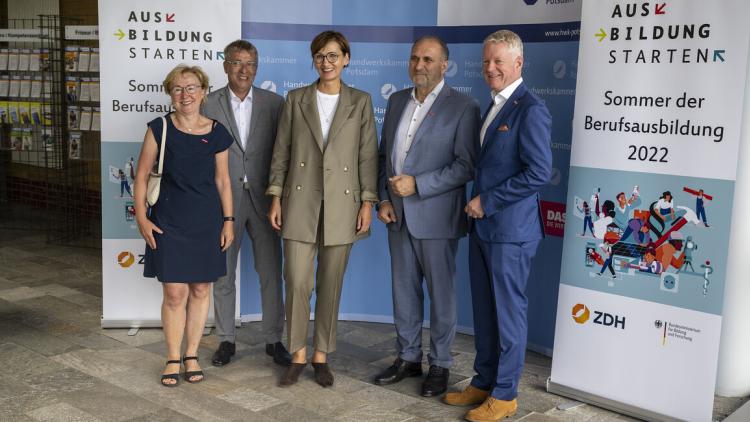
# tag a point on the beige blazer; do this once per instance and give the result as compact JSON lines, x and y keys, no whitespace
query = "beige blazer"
{"x":306,"y":176}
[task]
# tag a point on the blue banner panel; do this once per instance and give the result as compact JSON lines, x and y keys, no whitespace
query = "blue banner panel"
{"x":380,"y":52}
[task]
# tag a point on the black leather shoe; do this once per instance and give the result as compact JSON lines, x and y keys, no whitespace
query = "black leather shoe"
{"x":436,"y":382}
{"x":223,"y":354}
{"x":291,"y":374}
{"x":279,"y":354}
{"x":398,"y":371}
{"x":323,"y":374}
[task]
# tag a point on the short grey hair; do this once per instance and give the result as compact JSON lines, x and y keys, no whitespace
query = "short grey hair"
{"x":510,"y":38}
{"x":239,"y":45}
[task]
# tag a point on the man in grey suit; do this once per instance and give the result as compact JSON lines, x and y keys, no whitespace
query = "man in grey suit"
{"x":426,"y":157}
{"x":251,"y":115}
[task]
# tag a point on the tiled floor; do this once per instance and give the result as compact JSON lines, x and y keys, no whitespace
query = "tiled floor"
{"x":59,"y":365}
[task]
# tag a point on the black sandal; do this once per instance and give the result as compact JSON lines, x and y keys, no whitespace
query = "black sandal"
{"x":190,"y":374}
{"x":175,"y":376}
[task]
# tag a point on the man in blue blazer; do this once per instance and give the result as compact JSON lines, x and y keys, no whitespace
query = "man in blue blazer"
{"x":513,"y":164}
{"x":426,"y":157}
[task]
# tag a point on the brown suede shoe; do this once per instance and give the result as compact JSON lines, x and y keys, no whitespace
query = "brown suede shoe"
{"x":492,"y":410}
{"x":471,"y":396}
{"x":291,"y":374}
{"x":323,"y":374}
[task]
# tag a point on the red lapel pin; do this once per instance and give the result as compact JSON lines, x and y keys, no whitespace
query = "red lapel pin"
{"x":503,"y":128}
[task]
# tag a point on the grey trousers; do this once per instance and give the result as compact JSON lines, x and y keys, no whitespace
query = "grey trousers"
{"x":299,"y":263}
{"x":434,"y":261}
{"x":267,"y":256}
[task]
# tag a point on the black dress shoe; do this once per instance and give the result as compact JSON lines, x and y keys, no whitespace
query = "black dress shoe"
{"x":436,"y":382}
{"x":223,"y":354}
{"x":291,"y":374}
{"x":323,"y":374}
{"x":398,"y":371}
{"x":279,"y":354}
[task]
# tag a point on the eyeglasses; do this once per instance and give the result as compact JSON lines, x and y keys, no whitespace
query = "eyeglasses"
{"x":187,"y":89}
{"x":238,"y":64}
{"x":331,"y":57}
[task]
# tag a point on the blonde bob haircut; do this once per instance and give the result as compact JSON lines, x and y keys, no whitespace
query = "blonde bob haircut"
{"x":510,"y":38}
{"x":180,"y":70}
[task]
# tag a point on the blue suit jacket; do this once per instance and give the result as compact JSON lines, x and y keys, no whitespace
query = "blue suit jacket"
{"x":515,"y":162}
{"x":441,"y":158}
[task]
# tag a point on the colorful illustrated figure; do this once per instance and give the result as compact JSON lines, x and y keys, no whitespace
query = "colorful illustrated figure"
{"x":690,"y":246}
{"x":124,"y":185}
{"x":649,"y":263}
{"x":606,"y":247}
{"x":665,"y":208}
{"x":699,"y":209}
{"x":639,"y":229}
{"x":587,"y":222}
{"x":708,"y":270}
{"x":623,"y":210}
{"x":606,"y":218}
{"x":665,"y":252}
{"x":700,"y":197}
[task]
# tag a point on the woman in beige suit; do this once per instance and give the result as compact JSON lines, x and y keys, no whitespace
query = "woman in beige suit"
{"x":324,"y":181}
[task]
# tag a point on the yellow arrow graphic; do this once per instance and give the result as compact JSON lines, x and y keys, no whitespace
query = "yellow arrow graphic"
{"x":119,"y":34}
{"x":601,"y":34}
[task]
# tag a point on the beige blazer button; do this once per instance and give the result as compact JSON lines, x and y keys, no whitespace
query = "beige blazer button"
{"x":346,"y":168}
{"x":346,"y":192}
{"x":302,"y":164}
{"x":299,"y":187}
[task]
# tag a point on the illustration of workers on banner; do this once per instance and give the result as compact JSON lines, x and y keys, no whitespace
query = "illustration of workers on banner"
{"x":628,"y":239}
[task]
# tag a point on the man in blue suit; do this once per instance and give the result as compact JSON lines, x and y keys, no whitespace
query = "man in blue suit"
{"x":513,"y":164}
{"x":427,"y":155}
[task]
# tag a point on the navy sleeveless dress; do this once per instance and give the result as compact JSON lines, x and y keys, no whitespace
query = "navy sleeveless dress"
{"x":189,"y":209}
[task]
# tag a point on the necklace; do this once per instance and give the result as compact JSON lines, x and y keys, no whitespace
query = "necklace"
{"x":327,"y":105}
{"x":183,"y":125}
{"x":326,"y":113}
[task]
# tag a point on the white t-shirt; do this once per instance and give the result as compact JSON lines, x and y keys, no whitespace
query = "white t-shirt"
{"x":326,"y":110}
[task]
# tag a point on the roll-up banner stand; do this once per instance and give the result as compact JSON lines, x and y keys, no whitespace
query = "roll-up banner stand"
{"x":656,"y":131}
{"x":141,"y":41}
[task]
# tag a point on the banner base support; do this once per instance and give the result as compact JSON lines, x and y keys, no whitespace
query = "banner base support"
{"x":151,"y":323}
{"x":569,"y":405}
{"x":605,"y":403}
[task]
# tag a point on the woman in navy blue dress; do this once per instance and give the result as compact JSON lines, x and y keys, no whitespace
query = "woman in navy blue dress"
{"x":190,"y":226}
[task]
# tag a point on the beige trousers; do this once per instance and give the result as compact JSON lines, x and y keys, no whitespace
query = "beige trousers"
{"x":298,"y":275}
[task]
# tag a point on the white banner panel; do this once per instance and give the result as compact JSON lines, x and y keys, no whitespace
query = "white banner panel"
{"x":670,"y":81}
{"x":140,"y":42}
{"x":656,"y":131}
{"x":639,"y":352}
{"x":130,"y":299}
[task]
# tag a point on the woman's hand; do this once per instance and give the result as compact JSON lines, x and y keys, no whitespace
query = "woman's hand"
{"x":364,"y":218}
{"x":227,"y":235}
{"x":274,"y":214}
{"x":147,"y":229}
